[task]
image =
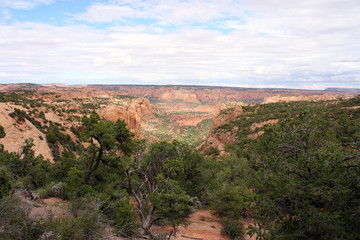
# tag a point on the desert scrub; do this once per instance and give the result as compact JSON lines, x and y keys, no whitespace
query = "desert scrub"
{"x":54,"y":189}
{"x":233,"y":228}
{"x":5,"y":184}
{"x":15,"y":222}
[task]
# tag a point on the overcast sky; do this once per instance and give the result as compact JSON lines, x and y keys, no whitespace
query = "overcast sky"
{"x":311,"y":44}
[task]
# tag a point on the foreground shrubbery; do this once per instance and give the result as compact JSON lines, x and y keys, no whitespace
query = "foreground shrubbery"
{"x":105,"y":178}
{"x":300,"y":179}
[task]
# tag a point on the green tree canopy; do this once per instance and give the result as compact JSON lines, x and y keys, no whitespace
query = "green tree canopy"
{"x":150,"y":179}
{"x":307,"y":184}
{"x":104,"y":136}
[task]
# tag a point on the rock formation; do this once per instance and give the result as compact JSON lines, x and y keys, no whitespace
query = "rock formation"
{"x":214,"y":94}
{"x":18,"y":131}
{"x":225,"y":113}
{"x":131,"y":112}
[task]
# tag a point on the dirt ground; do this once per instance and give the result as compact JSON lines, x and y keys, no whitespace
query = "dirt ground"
{"x":204,"y":226}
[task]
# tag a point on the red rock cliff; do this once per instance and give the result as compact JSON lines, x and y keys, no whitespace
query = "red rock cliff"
{"x":219,"y":139}
{"x":131,"y":112}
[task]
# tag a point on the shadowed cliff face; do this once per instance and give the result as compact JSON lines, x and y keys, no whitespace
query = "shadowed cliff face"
{"x":224,"y":114}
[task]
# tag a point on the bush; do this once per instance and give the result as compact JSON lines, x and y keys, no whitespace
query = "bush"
{"x":54,"y":189}
{"x":85,"y":221}
{"x":233,"y":228}
{"x":58,"y":189}
{"x":213,"y":151}
{"x":2,"y":132}
{"x":5,"y":185}
{"x":15,"y":223}
{"x":75,"y":184}
{"x":121,"y":214}
{"x":51,"y":137}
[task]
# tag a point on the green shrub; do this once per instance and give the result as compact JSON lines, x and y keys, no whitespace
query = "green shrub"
{"x":213,"y":151}
{"x":121,"y":213}
{"x":51,"y":137}
{"x":15,"y":223}
{"x":53,"y":189}
{"x":58,"y":189}
{"x":2,"y":132}
{"x":43,"y":192}
{"x":5,"y":184}
{"x":233,"y":228}
{"x":125,"y":220}
{"x":75,"y":184}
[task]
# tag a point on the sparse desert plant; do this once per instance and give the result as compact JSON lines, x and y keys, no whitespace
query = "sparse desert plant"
{"x":15,"y":222}
{"x":53,"y":189}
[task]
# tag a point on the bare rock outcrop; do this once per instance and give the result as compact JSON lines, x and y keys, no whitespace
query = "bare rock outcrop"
{"x":17,"y":132}
{"x":131,"y":112}
{"x":224,"y":113}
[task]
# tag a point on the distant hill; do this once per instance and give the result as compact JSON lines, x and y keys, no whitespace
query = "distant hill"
{"x":350,"y":90}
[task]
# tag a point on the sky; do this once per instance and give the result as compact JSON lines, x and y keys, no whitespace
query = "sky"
{"x":308,"y":44}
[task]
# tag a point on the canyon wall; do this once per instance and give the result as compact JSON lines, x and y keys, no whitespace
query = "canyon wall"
{"x":213,"y":94}
{"x":62,"y":107}
{"x":131,"y":112}
{"x":224,"y":113}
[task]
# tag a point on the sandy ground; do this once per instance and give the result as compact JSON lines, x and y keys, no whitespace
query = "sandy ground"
{"x":204,"y":226}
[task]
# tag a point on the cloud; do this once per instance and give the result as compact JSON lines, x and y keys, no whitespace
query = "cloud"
{"x":303,"y":44}
{"x":172,"y":12}
{"x":23,"y":4}
{"x":303,"y":17}
{"x":106,"y":13}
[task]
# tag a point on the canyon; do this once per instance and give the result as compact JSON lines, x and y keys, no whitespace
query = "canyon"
{"x":190,"y":114}
{"x":207,"y":118}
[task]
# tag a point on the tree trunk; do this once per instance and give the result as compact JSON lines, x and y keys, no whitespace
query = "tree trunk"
{"x":91,"y":168}
{"x":172,"y":230}
{"x":145,"y":225}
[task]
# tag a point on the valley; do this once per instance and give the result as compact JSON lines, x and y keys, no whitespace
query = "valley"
{"x":156,"y":113}
{"x":230,"y":162}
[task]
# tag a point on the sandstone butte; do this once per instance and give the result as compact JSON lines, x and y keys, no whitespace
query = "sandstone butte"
{"x":132,"y":113}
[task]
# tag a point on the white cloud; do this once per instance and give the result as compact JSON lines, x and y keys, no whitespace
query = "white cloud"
{"x":106,"y":13}
{"x":165,"y":12}
{"x":23,"y":4}
{"x":306,"y":44}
